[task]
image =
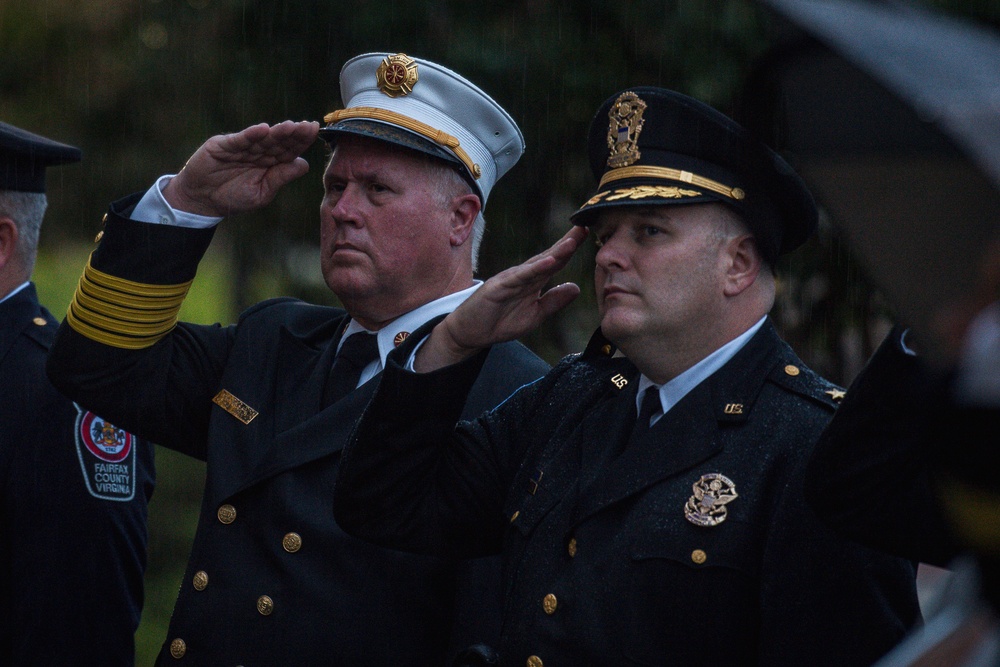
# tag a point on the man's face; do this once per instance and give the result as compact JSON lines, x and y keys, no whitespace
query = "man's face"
{"x":385,"y":230}
{"x":659,"y":274}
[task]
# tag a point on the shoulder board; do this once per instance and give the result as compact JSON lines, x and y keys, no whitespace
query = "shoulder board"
{"x":796,"y":377}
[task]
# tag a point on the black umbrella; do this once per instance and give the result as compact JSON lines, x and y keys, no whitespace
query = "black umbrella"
{"x":892,"y":114}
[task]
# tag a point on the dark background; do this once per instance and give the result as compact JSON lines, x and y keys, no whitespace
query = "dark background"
{"x":139,"y":84}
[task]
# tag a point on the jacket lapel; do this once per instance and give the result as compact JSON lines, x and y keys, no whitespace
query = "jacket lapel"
{"x":299,"y":429}
{"x":687,"y":435}
{"x":684,"y":437}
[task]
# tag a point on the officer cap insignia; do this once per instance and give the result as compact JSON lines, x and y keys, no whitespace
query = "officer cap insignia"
{"x":707,"y":507}
{"x":623,"y":130}
{"x":235,"y":406}
{"x":397,"y":75}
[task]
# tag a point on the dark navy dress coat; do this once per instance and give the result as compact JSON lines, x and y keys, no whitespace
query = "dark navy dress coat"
{"x":73,"y":496}
{"x":609,"y":554}
{"x":272,"y":580}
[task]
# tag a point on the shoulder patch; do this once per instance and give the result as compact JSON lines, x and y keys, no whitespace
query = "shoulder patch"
{"x":107,"y":457}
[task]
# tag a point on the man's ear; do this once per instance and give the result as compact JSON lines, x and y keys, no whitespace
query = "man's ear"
{"x":743,"y":264}
{"x":8,"y":242}
{"x":464,"y":210}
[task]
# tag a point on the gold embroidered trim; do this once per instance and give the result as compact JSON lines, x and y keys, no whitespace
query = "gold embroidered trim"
{"x":646,"y":171}
{"x":423,"y":129}
{"x":131,"y":287}
{"x":642,"y":192}
{"x":123,"y":313}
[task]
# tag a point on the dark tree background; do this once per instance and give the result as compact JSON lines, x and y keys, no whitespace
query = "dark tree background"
{"x":139,"y":84}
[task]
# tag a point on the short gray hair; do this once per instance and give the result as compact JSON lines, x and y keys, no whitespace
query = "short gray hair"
{"x":452,"y":184}
{"x":26,"y":209}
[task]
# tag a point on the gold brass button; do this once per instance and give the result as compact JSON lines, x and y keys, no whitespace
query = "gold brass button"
{"x":549,"y":604}
{"x":265,"y":605}
{"x":291,"y":542}
{"x":699,"y":556}
{"x":514,"y":516}
{"x":571,"y":547}
{"x":792,"y":370}
{"x":100,"y":235}
{"x":40,"y":321}
{"x":178,"y":648}
{"x":227,"y":514}
{"x":534,"y":661}
{"x":104,"y":218}
{"x":200,"y":580}
{"x":606,"y":349}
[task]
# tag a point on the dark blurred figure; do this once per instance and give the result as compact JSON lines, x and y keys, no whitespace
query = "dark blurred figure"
{"x":73,"y":487}
{"x":911,"y":464}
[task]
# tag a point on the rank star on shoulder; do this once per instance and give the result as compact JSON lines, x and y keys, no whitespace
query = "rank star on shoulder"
{"x":836,"y":394}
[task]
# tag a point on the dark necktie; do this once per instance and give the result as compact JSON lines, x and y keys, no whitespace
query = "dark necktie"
{"x":359,"y":350}
{"x":650,"y":406}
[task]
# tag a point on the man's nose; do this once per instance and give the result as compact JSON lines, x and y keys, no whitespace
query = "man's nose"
{"x":345,"y":209}
{"x":612,"y":253}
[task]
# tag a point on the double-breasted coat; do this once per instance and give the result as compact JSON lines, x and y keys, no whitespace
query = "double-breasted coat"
{"x":272,"y":579}
{"x":73,"y":496}
{"x":604,"y":558}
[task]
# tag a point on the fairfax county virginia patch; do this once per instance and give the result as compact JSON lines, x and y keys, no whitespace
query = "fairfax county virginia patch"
{"x":107,"y":457}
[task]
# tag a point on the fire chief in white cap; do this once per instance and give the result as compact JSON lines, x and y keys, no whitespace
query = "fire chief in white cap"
{"x":270,"y":401}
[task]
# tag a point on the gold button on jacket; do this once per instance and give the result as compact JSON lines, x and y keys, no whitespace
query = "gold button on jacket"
{"x":291,"y":542}
{"x":227,"y":514}
{"x":200,"y":580}
{"x":178,"y":648}
{"x":265,"y":605}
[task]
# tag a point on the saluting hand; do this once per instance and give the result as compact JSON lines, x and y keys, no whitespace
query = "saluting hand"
{"x":507,"y":306}
{"x":232,"y":173}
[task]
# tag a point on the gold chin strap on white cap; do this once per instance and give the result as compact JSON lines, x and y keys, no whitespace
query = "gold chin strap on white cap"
{"x":423,"y":129}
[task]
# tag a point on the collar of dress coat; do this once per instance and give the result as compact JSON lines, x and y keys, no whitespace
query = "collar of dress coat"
{"x":16,"y":290}
{"x":407,"y":323}
{"x":674,"y":390}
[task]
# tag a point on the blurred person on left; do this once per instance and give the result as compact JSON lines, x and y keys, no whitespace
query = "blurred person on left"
{"x":73,"y":486}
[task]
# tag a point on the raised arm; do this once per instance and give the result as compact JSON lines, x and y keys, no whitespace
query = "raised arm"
{"x":506,"y":307}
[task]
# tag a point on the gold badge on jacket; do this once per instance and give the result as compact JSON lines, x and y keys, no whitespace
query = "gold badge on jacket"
{"x":707,"y":507}
{"x":235,"y":406}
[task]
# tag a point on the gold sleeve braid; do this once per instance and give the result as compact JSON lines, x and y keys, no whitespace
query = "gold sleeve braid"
{"x":122,"y":313}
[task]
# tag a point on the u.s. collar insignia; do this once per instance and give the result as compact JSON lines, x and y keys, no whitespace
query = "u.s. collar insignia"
{"x":623,"y":131}
{"x":397,"y":75}
{"x":707,"y":507}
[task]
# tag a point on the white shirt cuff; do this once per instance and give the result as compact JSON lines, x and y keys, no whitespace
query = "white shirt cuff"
{"x":154,"y":208}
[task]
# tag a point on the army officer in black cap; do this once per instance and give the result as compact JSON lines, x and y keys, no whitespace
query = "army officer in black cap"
{"x":73,"y":487}
{"x":648,"y":504}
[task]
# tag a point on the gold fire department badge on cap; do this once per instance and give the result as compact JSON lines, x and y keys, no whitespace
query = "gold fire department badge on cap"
{"x":397,"y":75}
{"x":623,"y":132}
{"x":707,"y":507}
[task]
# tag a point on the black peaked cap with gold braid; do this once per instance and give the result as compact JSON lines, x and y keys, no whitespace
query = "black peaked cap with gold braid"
{"x":652,"y":146}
